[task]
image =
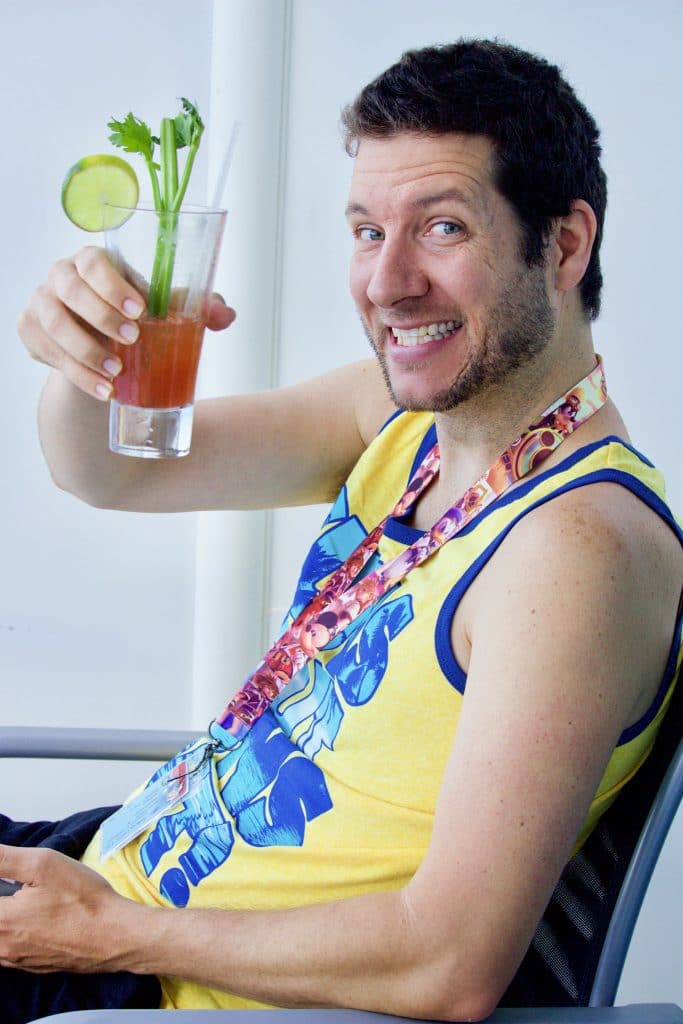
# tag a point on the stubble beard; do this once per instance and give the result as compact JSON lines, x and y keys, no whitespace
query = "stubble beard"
{"x":519,"y":328}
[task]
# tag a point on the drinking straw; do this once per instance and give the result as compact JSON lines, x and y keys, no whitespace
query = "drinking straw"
{"x":225,"y":165}
{"x":200,"y":268}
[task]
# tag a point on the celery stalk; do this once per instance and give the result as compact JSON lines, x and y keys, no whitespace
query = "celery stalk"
{"x":176,"y":133}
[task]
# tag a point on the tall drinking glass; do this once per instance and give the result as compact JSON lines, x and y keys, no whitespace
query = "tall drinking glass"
{"x":170,"y":258}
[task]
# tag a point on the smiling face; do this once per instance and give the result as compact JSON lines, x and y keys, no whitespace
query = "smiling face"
{"x":447,"y":301}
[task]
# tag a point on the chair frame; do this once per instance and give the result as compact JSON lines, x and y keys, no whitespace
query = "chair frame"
{"x":636,"y":882}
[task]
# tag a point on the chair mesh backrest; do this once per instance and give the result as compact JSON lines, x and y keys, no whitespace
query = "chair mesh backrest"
{"x":560,"y":965}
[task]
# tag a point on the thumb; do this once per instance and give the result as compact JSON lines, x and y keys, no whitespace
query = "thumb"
{"x":15,"y":864}
{"x":219,"y":316}
{"x":31,"y":865}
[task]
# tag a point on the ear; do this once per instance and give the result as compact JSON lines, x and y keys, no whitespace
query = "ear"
{"x":574,"y":237}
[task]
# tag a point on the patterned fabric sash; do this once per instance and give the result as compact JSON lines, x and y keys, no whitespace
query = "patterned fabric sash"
{"x":340,"y":600}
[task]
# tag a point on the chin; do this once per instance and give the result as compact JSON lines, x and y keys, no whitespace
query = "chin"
{"x":412,"y":400}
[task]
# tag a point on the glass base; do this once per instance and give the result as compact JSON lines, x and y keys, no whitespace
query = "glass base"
{"x":150,"y":433}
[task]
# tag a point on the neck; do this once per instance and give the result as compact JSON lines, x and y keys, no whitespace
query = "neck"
{"x":474,"y":434}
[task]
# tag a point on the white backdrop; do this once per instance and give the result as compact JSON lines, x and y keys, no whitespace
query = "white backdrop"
{"x":125,"y":619}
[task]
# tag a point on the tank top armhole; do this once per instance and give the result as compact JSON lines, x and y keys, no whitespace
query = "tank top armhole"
{"x":448,"y":663}
{"x":672,"y":670}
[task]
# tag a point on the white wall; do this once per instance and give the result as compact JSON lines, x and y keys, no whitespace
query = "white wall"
{"x":88,"y":596}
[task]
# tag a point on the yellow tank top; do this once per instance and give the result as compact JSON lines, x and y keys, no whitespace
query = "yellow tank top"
{"x":321,"y":800}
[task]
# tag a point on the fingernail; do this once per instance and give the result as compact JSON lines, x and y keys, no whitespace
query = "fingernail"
{"x":112,"y":366}
{"x":103,"y":390}
{"x":132,"y":308}
{"x":129,"y":332}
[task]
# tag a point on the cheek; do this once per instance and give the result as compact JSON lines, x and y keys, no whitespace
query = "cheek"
{"x":474,"y":290}
{"x":469,"y":284}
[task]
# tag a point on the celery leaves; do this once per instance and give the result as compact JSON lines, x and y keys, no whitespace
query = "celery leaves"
{"x":133,"y":135}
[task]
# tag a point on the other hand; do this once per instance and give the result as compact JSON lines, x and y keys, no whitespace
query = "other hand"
{"x":63,"y":918}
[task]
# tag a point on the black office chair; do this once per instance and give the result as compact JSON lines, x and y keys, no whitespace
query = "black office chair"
{"x":572,"y":968}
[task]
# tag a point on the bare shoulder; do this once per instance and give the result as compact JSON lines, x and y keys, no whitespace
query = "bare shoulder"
{"x":357,"y":388}
{"x":604,"y":524}
{"x":605,"y":530}
{"x":598,"y":575}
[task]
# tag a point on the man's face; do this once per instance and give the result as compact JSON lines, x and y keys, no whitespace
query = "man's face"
{"x":446,"y":299}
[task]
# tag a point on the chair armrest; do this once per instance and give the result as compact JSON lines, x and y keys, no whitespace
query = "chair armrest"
{"x":93,"y":744}
{"x":650,"y":1013}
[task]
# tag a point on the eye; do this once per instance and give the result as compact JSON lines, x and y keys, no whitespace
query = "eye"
{"x":445,"y":228}
{"x":368,"y":234}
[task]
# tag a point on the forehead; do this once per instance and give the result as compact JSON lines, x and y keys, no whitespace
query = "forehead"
{"x":409,"y":165}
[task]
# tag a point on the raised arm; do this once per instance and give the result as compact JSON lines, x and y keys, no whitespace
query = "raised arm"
{"x":288,"y":446}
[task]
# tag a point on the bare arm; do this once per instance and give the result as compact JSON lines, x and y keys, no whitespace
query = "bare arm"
{"x":284,"y":447}
{"x":581,"y":632}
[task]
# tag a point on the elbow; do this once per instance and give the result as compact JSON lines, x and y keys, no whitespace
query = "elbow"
{"x":446,"y":984}
{"x":455,"y":998}
{"x":448,"y":976}
{"x":78,"y":488}
{"x":473,"y":1008}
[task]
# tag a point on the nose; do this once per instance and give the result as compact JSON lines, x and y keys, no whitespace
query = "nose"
{"x":395,"y":274}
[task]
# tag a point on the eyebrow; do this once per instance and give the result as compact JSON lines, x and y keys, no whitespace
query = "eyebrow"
{"x":421,"y":203}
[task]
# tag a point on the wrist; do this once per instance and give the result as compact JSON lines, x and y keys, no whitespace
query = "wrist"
{"x":135,"y":936}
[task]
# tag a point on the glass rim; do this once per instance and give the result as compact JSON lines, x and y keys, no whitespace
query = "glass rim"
{"x":147,"y":206}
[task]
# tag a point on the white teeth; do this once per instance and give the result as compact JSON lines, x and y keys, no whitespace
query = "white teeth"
{"x":428,"y":332}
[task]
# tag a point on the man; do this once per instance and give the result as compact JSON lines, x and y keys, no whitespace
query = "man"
{"x":388,"y":833}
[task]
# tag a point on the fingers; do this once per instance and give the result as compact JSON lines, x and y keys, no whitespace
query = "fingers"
{"x":89,"y":286}
{"x":93,"y":371}
{"x":84,"y":302}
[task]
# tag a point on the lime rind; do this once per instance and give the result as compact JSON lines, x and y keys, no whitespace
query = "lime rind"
{"x":94,"y":182}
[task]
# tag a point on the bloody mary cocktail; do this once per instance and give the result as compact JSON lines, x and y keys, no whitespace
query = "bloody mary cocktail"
{"x":160,"y":368}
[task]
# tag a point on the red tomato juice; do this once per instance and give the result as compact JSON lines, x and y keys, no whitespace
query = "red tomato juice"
{"x":160,"y":368}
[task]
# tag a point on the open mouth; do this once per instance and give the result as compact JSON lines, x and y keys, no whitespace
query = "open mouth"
{"x":415,"y":337}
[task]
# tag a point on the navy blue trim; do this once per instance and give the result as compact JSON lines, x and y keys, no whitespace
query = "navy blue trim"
{"x":444,"y":651}
{"x":426,"y":445}
{"x":634,"y":730}
{"x":390,"y":420}
{"x":397,"y":529}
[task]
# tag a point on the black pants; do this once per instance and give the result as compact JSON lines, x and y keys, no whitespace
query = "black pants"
{"x":25,"y":997}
